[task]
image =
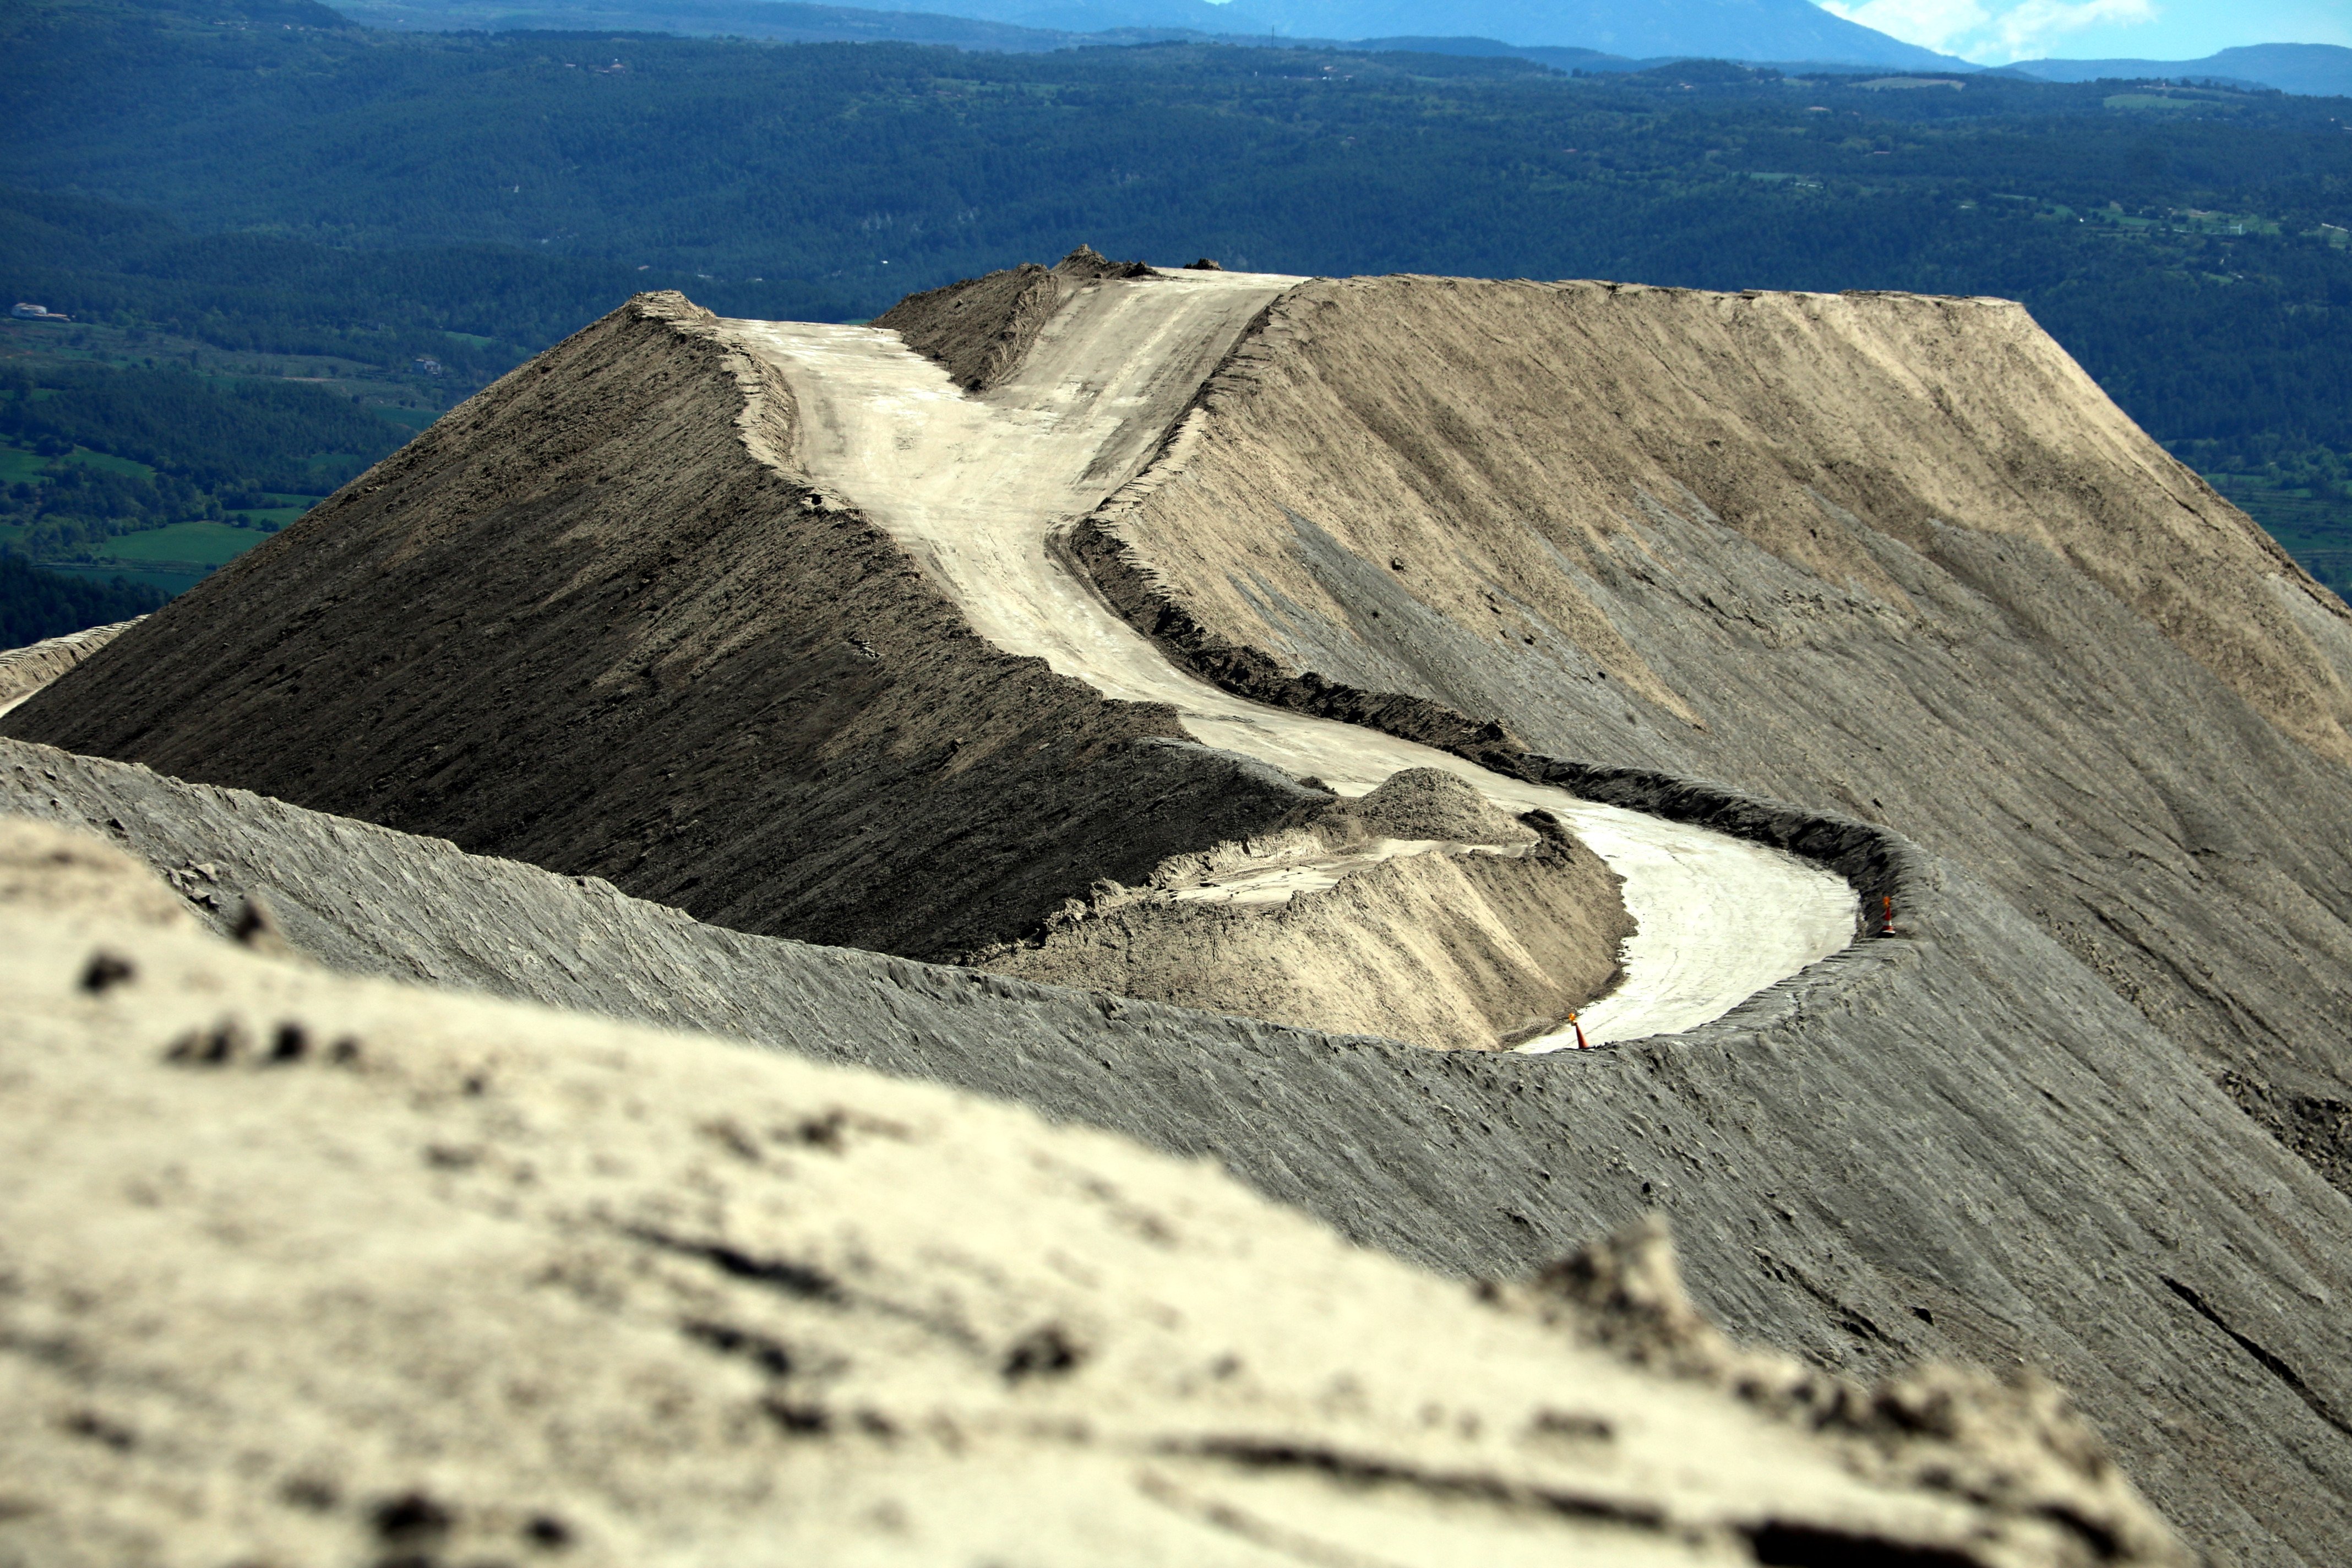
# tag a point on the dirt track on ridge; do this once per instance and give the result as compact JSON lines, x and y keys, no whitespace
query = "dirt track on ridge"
{"x":977,"y":487}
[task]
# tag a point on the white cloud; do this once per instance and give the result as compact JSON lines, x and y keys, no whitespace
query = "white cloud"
{"x":2029,"y":30}
{"x":1931,"y":24}
{"x":1991,"y":37}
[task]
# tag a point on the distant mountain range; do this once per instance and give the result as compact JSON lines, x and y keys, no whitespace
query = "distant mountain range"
{"x":1585,"y":35}
{"x":1588,"y":33}
{"x":2323,"y":70}
{"x":1727,"y":29}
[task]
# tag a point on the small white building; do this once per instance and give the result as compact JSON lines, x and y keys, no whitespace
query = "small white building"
{"x":24,"y":312}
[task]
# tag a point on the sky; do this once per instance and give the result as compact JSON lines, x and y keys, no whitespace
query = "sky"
{"x":1994,"y":32}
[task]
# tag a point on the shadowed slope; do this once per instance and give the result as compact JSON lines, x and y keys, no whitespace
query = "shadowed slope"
{"x":593,"y":620}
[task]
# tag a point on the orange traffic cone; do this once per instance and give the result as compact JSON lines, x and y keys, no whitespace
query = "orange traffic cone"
{"x":1580,"y":1043}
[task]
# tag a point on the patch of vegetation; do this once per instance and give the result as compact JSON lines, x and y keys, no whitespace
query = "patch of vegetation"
{"x":2167,"y":102}
{"x":185,"y":545}
{"x":214,"y":434}
{"x":161,"y":451}
{"x":35,"y":604}
{"x":2303,"y":500}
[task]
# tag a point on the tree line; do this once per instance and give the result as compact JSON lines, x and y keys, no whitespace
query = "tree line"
{"x":382,"y":196}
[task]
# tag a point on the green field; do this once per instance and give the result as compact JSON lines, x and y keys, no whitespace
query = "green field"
{"x":107,"y":464}
{"x":19,"y":464}
{"x":173,"y":559}
{"x":2153,"y":100}
{"x":173,"y":582}
{"x":200,"y":543}
{"x":280,"y":515}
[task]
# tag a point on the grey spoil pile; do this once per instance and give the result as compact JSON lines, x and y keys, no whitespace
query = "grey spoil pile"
{"x":1425,"y":803}
{"x":1959,"y":1142}
{"x":1997,"y":617}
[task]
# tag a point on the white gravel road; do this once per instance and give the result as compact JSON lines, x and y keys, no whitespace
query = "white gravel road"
{"x":975,"y":486}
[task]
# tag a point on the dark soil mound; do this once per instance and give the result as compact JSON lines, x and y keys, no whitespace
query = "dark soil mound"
{"x":980,"y":329}
{"x":1086,"y":263}
{"x":592,"y":621}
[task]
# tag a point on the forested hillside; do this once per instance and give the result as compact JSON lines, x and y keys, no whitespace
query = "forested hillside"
{"x":35,"y":604}
{"x":293,"y":188}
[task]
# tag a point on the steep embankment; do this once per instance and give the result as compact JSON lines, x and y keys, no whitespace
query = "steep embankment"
{"x":306,"y":1269}
{"x":593,"y":619}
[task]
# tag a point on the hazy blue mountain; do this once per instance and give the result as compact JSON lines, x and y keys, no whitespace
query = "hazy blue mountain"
{"x":2322,"y":71}
{"x":1559,"y":57}
{"x":781,"y":20}
{"x":791,"y":21}
{"x":1565,"y":33}
{"x":1731,"y":30}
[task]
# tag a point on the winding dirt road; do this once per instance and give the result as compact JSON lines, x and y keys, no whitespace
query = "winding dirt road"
{"x":975,"y":487}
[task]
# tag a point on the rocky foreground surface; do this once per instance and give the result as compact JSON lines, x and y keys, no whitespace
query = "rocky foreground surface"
{"x":297,"y":1267}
